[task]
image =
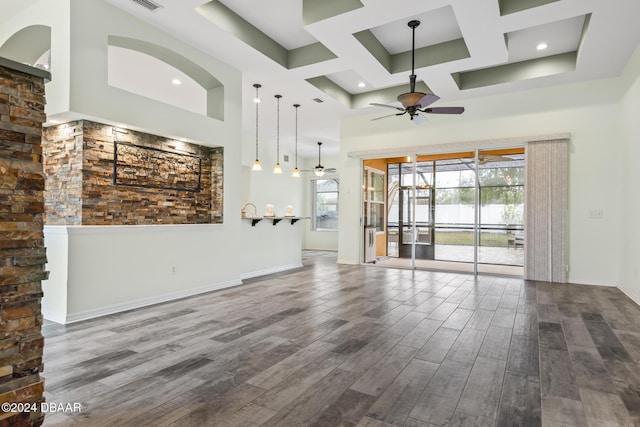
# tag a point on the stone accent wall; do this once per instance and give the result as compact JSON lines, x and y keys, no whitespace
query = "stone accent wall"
{"x":22,"y":253}
{"x":153,"y":178}
{"x":62,"y":147}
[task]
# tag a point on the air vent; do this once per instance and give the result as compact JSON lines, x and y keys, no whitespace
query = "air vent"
{"x":286,"y":158}
{"x":318,"y":100}
{"x":147,"y":4}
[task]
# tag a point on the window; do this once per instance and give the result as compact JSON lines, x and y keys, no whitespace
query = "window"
{"x":325,"y":204}
{"x":374,"y":198}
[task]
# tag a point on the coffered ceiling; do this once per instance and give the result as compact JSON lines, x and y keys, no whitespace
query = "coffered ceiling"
{"x":348,"y":53}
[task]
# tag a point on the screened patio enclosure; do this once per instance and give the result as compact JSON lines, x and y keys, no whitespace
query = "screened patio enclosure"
{"x":459,"y":211}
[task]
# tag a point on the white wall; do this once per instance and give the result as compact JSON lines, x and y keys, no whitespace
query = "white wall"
{"x":630,"y":155}
{"x":270,"y":248}
{"x":54,"y":305}
{"x":264,"y":187}
{"x":117,"y":268}
{"x":114,"y":268}
{"x":590,"y":112}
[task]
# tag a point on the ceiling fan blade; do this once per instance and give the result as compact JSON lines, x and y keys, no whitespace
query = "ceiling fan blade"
{"x":444,"y":110}
{"x":419,"y":119}
{"x":427,"y":100}
{"x":389,"y":115}
{"x":387,"y":106}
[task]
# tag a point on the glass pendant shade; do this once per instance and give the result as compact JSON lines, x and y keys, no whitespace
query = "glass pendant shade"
{"x":277,"y":169}
{"x":257,"y":166}
{"x":296,"y":173}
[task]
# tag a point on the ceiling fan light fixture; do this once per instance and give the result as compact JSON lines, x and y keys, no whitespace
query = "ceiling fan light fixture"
{"x":410,"y":99}
{"x":414,"y":102}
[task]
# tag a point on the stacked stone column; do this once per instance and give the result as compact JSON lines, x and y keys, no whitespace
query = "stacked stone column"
{"x":22,"y":252}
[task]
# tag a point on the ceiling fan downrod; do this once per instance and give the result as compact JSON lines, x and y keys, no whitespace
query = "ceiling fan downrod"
{"x":412,"y":78}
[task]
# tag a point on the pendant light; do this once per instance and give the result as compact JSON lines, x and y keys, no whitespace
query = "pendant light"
{"x":256,"y":164}
{"x":319,"y":170}
{"x":278,"y":169}
{"x":296,"y":171}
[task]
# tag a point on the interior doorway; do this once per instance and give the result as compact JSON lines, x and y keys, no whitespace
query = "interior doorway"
{"x":455,"y":211}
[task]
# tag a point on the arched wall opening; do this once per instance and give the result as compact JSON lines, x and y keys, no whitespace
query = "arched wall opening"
{"x":158,"y":73}
{"x":30,"y":45}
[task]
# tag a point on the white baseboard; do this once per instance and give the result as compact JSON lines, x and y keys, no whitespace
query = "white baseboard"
{"x":130,"y":305}
{"x":631,"y":295}
{"x":264,"y":272}
{"x":347,"y":261}
{"x":573,"y":280}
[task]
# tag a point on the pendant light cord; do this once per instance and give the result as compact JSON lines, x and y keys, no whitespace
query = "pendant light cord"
{"x":278,"y":130}
{"x":296,"y":105}
{"x":257,"y":103}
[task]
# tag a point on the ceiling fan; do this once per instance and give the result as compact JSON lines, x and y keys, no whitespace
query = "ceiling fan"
{"x":483,"y":159}
{"x":414,"y":102}
{"x":320,"y":170}
{"x":487,"y":158}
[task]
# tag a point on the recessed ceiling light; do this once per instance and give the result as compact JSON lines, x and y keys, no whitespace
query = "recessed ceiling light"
{"x":362,"y":84}
{"x":542,"y":46}
{"x":176,"y":82}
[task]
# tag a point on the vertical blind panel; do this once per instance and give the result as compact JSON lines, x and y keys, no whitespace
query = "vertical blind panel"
{"x":546,"y":211}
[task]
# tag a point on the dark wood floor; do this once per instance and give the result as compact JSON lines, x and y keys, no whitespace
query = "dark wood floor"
{"x":334,"y":345}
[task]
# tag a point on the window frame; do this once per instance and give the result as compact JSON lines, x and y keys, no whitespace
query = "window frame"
{"x":314,"y":203}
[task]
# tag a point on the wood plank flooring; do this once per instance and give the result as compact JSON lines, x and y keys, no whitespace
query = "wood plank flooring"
{"x":335,"y":345}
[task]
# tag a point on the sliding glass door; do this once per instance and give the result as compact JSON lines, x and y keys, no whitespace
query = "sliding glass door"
{"x":459,"y":211}
{"x":455,"y":208}
{"x":501,"y":208}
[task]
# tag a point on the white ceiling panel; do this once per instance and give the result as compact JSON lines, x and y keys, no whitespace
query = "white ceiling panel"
{"x":436,"y":26}
{"x":560,"y":37}
{"x":279,"y":19}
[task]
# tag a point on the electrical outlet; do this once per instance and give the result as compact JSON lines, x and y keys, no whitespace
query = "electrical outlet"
{"x":596,"y":214}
